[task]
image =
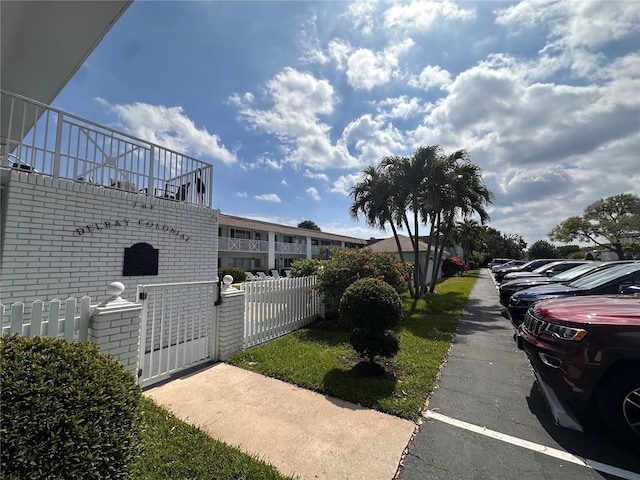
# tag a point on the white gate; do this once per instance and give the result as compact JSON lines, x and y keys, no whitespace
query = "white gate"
{"x":179,"y":327}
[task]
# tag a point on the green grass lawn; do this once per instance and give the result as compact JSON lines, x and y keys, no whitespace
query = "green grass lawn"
{"x":323,"y":360}
{"x":171,"y":449}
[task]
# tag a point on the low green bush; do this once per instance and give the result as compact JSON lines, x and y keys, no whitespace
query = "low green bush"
{"x":347,"y":265}
{"x":370,"y":308}
{"x":66,"y":410}
{"x":305,"y":267}
{"x":238,"y":274}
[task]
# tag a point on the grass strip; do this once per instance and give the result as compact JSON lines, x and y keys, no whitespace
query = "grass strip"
{"x":173,"y":449}
{"x":324,"y":361}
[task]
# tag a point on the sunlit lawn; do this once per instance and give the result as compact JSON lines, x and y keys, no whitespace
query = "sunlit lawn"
{"x":322,"y":360}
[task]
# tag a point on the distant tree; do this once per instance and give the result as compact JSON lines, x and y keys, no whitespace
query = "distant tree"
{"x":608,"y":223}
{"x":542,"y":249}
{"x":309,"y":225}
{"x":632,"y":251}
{"x":499,"y":245}
{"x":468,"y":234}
{"x":569,"y":251}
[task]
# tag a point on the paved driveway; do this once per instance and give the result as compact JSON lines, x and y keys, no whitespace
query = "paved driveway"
{"x":487,"y":420}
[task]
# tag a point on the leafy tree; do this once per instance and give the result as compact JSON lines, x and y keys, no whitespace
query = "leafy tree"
{"x":570,"y":251}
{"x":607,"y":223}
{"x":309,"y":225}
{"x":499,"y":245}
{"x":542,"y":249}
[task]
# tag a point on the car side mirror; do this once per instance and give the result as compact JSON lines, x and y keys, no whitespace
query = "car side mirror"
{"x":630,"y":289}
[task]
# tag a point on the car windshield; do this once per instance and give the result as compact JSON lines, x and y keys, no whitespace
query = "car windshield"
{"x":574,"y":272}
{"x":601,"y":277}
{"x":545,"y":267}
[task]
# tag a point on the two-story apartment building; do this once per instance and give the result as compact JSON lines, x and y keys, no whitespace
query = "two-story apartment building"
{"x":256,"y":245}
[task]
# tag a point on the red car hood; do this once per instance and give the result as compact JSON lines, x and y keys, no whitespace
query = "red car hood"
{"x":596,"y":309}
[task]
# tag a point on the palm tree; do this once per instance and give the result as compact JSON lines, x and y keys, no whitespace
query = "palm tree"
{"x":374,"y":198}
{"x":465,"y":196}
{"x":467,"y":233}
{"x":409,"y":176}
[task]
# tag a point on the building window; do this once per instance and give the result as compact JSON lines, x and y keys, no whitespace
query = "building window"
{"x":287,"y":239}
{"x":242,"y":234}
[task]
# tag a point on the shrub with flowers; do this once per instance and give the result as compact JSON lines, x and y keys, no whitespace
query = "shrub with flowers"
{"x":452,"y":266}
{"x":346,"y":265}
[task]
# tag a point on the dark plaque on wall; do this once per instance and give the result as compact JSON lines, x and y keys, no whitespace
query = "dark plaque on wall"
{"x":140,"y":259}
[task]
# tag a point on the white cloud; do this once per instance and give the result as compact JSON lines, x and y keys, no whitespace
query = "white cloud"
{"x":367,"y":69}
{"x":373,"y":138}
{"x":269,"y":197}
{"x":421,"y":15}
{"x":171,"y":128}
{"x":432,"y":76}
{"x":241,"y":194}
{"x":399,"y":107}
{"x":313,"y":193}
{"x":298,"y":101}
{"x":315,"y":175}
{"x":362,"y":14}
{"x":344,"y":183}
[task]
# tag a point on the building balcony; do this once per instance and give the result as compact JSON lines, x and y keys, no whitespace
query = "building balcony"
{"x":226,"y":244}
{"x":39,"y":139}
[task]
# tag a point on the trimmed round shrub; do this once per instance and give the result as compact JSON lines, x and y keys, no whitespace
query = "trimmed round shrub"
{"x":66,"y":410}
{"x":370,"y":308}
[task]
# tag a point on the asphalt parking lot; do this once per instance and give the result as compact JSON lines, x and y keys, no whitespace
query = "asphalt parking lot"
{"x":488,"y":420}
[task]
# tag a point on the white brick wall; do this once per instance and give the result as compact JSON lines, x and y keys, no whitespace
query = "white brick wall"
{"x":63,"y":238}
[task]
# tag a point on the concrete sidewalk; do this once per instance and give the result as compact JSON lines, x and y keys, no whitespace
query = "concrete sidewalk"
{"x":298,"y":431}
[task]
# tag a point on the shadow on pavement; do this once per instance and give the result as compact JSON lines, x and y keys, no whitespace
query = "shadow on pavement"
{"x":596,"y":442}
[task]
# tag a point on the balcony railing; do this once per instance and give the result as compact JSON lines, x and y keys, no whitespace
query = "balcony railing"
{"x":40,"y":139}
{"x":226,"y":244}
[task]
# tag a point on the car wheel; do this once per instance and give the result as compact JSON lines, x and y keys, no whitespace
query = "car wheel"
{"x":619,"y":403}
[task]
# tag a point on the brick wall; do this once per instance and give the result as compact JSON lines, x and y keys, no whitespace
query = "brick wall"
{"x":64,"y":238}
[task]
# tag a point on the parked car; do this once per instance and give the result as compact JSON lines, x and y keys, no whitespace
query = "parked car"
{"x":587,"y":351}
{"x":546,"y":270}
{"x":508,"y":288}
{"x":525,"y":267}
{"x":601,"y":282}
{"x":499,"y":261}
{"x":510,"y":263}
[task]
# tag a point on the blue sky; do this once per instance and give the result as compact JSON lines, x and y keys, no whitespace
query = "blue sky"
{"x":291,"y":100}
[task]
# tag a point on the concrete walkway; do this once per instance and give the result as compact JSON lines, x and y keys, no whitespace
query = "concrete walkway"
{"x":299,"y":432}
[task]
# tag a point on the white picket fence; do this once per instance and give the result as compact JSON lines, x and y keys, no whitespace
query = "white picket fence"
{"x":68,"y":319}
{"x":276,"y":307}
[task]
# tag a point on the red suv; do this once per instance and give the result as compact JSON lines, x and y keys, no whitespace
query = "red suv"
{"x":585,"y":352}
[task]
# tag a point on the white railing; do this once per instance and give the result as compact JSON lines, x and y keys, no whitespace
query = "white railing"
{"x":40,"y":139}
{"x":48,"y":319}
{"x":226,"y":244}
{"x":178,"y":327}
{"x":294,"y":248}
{"x":276,"y":307}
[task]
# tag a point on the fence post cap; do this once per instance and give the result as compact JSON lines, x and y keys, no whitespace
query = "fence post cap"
{"x":227,"y":280}
{"x":115,"y":289}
